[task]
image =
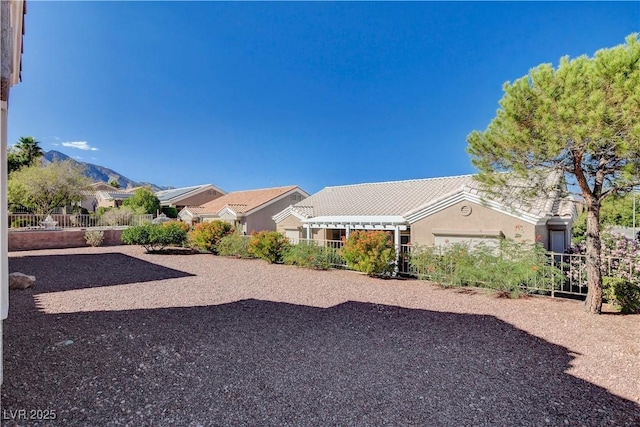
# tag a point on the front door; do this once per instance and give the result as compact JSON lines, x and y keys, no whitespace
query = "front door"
{"x":558,"y":242}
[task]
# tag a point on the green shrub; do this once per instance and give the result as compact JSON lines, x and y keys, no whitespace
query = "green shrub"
{"x":205,"y":236}
{"x":154,"y":237}
{"x":430,"y":263}
{"x":143,"y":201}
{"x":174,"y":232}
{"x":235,"y":245}
{"x":622,"y":293}
{"x":179,"y":224}
{"x":170,"y":211}
{"x":514,"y":268}
{"x":307,"y":254}
{"x":371,"y":252}
{"x":268,"y":245}
{"x":94,"y":237}
{"x":102,"y":210}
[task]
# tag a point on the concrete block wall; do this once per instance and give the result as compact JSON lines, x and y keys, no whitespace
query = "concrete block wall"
{"x":57,"y":239}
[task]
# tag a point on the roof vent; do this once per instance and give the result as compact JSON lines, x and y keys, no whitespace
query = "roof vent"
{"x":465,"y":210}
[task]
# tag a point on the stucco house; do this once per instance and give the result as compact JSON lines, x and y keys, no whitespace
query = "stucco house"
{"x":111,"y":199}
{"x":101,"y":194}
{"x":433,"y":211}
{"x":249,"y":210}
{"x":196,"y":195}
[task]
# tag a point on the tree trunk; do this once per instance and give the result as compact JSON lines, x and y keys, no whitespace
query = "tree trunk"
{"x":593,"y":303}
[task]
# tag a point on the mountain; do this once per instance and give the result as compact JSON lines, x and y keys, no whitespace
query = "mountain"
{"x":100,"y":173}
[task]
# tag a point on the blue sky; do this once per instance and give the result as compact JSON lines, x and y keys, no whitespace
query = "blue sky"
{"x":251,"y":95}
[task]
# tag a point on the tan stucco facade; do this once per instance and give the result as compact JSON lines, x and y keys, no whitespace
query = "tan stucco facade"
{"x":472,"y":219}
{"x":291,"y":222}
{"x":466,"y":221}
{"x":262,"y":218}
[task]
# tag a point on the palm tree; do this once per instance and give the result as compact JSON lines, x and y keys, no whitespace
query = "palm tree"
{"x":29,"y":149}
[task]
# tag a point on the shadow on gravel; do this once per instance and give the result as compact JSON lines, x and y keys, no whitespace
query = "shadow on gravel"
{"x":67,"y":272}
{"x":266,"y":363}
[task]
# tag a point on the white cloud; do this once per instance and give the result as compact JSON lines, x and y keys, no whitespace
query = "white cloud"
{"x":80,"y":145}
{"x":77,"y":157}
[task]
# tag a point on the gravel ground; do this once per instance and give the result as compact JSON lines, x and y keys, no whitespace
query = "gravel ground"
{"x":113,"y":336}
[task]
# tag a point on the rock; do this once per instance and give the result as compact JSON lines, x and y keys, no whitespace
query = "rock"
{"x":21,"y":281}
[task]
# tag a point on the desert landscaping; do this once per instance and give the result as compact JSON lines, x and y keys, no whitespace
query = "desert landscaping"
{"x":115,"y":336}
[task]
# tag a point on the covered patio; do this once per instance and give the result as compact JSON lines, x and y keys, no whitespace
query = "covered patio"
{"x":391,"y":223}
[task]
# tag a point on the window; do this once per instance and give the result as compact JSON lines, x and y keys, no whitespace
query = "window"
{"x":336,"y":234}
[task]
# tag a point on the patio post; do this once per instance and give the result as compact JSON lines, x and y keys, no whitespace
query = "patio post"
{"x":396,"y":242}
{"x":4,"y":231}
{"x":11,"y":31}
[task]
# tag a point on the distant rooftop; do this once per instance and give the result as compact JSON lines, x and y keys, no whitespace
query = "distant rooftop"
{"x":166,"y":196}
{"x":244,"y":201}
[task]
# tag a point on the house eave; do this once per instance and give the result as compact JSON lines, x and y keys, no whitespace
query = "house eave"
{"x":285,"y":213}
{"x":358,"y":222}
{"x":461,"y":196}
{"x":276,"y":199}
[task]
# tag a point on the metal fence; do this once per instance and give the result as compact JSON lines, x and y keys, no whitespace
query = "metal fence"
{"x":554,"y":274}
{"x":60,"y":221}
{"x":573,"y":267}
{"x":331,"y":247}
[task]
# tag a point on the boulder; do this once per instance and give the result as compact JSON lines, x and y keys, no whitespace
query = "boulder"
{"x":21,"y":281}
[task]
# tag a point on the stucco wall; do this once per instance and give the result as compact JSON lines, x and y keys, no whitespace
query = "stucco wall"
{"x":319,"y":233}
{"x":289,"y":223}
{"x":57,"y":239}
{"x":542,"y":235}
{"x":481,"y":219}
{"x":261,"y":219}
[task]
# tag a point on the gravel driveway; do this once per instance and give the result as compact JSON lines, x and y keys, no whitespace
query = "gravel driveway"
{"x":113,"y":336}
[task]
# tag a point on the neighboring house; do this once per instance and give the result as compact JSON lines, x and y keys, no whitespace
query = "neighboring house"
{"x":111,"y":199}
{"x":91,"y":202}
{"x":189,"y":196}
{"x":248,"y":211}
{"x":434,"y":211}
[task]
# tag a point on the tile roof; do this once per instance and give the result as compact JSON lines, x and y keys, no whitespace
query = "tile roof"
{"x":406,"y":197}
{"x":245,"y":201}
{"x":194,"y":210}
{"x":538,"y":206}
{"x":380,"y":198}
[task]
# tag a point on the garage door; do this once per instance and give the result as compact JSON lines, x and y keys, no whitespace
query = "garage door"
{"x":292,"y":235}
{"x":489,"y":241}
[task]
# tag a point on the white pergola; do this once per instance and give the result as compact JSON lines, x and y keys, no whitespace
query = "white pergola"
{"x":393,"y":223}
{"x":11,"y":31}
